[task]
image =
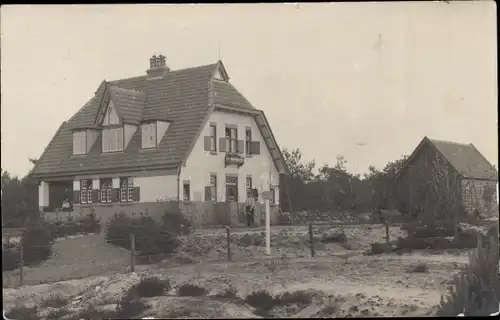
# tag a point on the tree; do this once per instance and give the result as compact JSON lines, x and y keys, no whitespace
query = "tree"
{"x":300,"y":174}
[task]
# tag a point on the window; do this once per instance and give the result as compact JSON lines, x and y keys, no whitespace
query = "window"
{"x":213,"y":137}
{"x":110,"y":118}
{"x":187,"y":190}
{"x":273,"y":195}
{"x":248,"y":140}
{"x":126,"y":189}
{"x":232,"y":139}
{"x":106,"y":190}
{"x":112,"y":139}
{"x":249,"y":186}
{"x":79,"y":142}
{"x":149,"y":135}
{"x":212,"y":188}
{"x":231,"y":188}
{"x":86,"y":191}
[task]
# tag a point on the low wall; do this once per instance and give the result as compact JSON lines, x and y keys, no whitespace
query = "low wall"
{"x":200,"y":213}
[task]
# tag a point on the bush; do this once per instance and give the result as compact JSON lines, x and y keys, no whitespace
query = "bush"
{"x":261,"y":300}
{"x":23,"y":313}
{"x":174,"y":221}
{"x":54,"y":301}
{"x":190,"y":290}
{"x":150,"y":239}
{"x":10,"y":257}
{"x":37,"y":242}
{"x":476,"y":290}
{"x":152,"y":287}
{"x":130,"y":306}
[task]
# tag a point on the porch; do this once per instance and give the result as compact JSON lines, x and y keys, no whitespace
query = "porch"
{"x":55,"y":196}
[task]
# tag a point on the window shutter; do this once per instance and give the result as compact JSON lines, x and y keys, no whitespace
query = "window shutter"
{"x":222,"y":144}
{"x":95,"y":196}
{"x":115,"y":195}
{"x":255,"y":147}
{"x":137,"y":194}
{"x":241,"y":146}
{"x":255,"y":193}
{"x":207,"y":143}
{"x":105,"y":140}
{"x":76,"y":196}
{"x":208,"y":193}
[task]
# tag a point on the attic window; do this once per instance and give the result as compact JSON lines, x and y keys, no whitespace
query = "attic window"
{"x":149,"y":135}
{"x":80,"y":142}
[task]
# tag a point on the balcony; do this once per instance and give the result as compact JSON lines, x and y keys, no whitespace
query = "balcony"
{"x":234,"y":159}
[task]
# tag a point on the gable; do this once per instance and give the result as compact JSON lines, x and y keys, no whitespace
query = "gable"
{"x":110,"y":115}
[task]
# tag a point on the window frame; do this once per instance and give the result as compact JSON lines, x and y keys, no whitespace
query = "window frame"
{"x":79,"y":140}
{"x":106,"y":191}
{"x":110,"y":130}
{"x":153,"y":128}
{"x":213,"y":137}
{"x":213,"y":187}
{"x":127,"y":189}
{"x":232,"y":141}
{"x":249,"y":189}
{"x":248,"y":141}
{"x":188,"y":184}
{"x":86,"y":191}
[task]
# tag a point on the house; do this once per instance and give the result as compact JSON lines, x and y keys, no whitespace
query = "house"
{"x":187,"y":136}
{"x":442,"y":175}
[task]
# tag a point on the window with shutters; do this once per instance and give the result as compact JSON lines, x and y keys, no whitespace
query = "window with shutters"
{"x":249,"y":186}
{"x":213,"y":137}
{"x":186,"y":190}
{"x":126,"y":189}
{"x":86,"y":191}
{"x":149,"y":135}
{"x":248,"y":140}
{"x":232,"y":139}
{"x":79,"y":142}
{"x":273,"y":195}
{"x":106,"y":190}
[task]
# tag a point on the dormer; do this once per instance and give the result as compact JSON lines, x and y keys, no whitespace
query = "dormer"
{"x":83,"y":140}
{"x":220,"y":73}
{"x":152,"y":131}
{"x":112,"y":132}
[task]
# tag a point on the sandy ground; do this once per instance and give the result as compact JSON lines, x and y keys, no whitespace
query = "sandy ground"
{"x":347,"y":282}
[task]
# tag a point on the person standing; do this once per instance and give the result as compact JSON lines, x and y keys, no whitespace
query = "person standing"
{"x":250,"y":209}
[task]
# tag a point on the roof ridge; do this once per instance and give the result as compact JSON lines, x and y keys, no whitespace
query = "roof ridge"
{"x":117,"y":87}
{"x":451,"y":142}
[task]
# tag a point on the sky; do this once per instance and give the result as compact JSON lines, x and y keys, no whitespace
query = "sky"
{"x":366,"y":81}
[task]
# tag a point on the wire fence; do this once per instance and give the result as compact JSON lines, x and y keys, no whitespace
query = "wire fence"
{"x":91,"y":255}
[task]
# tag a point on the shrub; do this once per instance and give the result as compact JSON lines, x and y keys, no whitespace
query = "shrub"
{"x":190,"y":290}
{"x":37,"y":242}
{"x":10,"y":257}
{"x":152,"y":287}
{"x":297,"y":297}
{"x":150,"y":239}
{"x":174,"y":221}
{"x":260,"y":300}
{"x":419,"y":268}
{"x":23,"y":313}
{"x":130,"y":306}
{"x":476,"y":290}
{"x":54,"y":301}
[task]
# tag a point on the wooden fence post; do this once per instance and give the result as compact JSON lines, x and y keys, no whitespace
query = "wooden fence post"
{"x":387,"y":239}
{"x":132,"y":252}
{"x":228,"y":236}
{"x":311,"y":239}
{"x":21,"y":264}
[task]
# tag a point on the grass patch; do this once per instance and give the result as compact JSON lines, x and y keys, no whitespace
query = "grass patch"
{"x":190,"y":290}
{"x":152,"y":287}
{"x":54,"y":301}
{"x":23,"y":313}
{"x":419,"y":268}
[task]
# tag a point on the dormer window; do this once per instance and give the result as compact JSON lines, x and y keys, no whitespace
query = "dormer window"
{"x":149,"y":135}
{"x":112,"y":131}
{"x":79,"y":142}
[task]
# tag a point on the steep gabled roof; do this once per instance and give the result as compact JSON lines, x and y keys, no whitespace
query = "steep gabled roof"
{"x":464,"y":158}
{"x":183,"y":97}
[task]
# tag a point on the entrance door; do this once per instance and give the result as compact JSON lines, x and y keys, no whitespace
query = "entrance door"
{"x":231,"y":189}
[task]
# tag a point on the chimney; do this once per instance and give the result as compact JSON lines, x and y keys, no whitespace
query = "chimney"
{"x":157,"y":67}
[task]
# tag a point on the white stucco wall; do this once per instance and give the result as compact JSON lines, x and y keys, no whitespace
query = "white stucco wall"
{"x":201,"y":163}
{"x":43,"y":194}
